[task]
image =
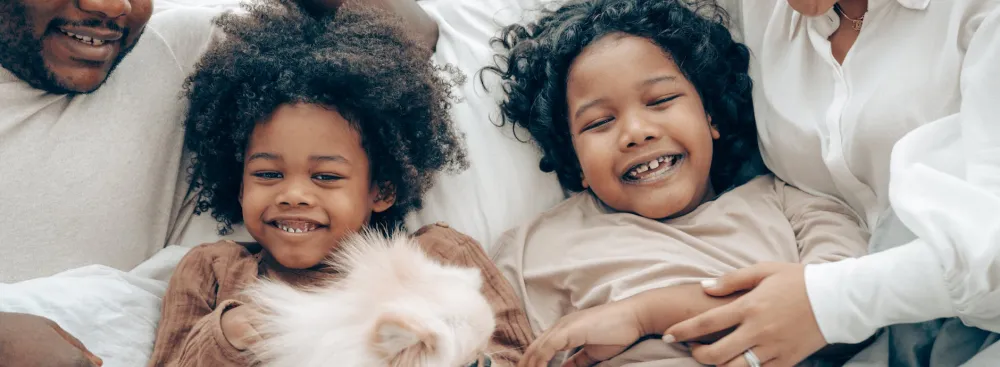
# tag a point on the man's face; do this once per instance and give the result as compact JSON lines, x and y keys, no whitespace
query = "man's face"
{"x":68,"y":46}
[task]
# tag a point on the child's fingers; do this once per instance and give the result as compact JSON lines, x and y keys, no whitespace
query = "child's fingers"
{"x":739,"y":280}
{"x":544,"y":349}
{"x":559,"y":338}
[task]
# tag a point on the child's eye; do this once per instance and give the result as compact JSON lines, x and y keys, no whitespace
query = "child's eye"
{"x":267,"y":175}
{"x":597,"y":124}
{"x":663,"y":100}
{"x":326,"y":177}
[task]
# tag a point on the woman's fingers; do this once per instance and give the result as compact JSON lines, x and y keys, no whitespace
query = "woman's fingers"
{"x":775,"y":319}
{"x":726,"y":349}
{"x":580,"y":359}
{"x":740,"y":280}
{"x":714,"y":320}
{"x":765,"y":355}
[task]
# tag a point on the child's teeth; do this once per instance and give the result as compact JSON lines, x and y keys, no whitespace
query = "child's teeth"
{"x":654,"y":164}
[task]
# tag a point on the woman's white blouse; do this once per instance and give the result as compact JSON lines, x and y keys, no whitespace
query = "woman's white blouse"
{"x":925,"y":74}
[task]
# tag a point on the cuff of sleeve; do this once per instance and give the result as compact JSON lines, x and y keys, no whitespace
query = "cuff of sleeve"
{"x":226,"y":349}
{"x":851,"y":299}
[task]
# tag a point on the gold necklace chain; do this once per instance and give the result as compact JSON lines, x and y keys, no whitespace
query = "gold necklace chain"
{"x":858,"y":23}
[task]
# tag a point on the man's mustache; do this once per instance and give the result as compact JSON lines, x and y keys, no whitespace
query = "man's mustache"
{"x":92,"y":23}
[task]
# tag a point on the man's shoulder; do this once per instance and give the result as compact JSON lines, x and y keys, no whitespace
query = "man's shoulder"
{"x":184,"y":32}
{"x":183,"y":20}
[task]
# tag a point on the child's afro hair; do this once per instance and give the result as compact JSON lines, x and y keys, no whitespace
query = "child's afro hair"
{"x":357,"y":61}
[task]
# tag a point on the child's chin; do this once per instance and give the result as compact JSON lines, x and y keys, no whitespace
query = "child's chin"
{"x":298,"y":262}
{"x":660,"y":209}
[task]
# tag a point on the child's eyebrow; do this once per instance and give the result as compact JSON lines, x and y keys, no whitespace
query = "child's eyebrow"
{"x":329,"y":158}
{"x":654,"y":80}
{"x":264,"y":156}
{"x":585,"y":106}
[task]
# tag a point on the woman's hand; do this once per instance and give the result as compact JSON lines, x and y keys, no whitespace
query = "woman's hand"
{"x":238,"y":329}
{"x":603,"y":332}
{"x":775,"y":319}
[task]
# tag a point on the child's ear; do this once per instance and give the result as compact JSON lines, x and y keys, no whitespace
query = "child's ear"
{"x":397,"y":337}
{"x":241,"y":192}
{"x":715,"y":132}
{"x":383,"y":197}
{"x":583,"y":181}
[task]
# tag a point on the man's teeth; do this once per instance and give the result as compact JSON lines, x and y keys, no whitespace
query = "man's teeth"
{"x":84,"y":39}
{"x":653,"y":164}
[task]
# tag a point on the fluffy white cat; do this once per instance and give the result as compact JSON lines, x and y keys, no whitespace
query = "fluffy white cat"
{"x":394,"y":307}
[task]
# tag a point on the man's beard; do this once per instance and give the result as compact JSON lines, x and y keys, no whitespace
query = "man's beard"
{"x":21,"y":53}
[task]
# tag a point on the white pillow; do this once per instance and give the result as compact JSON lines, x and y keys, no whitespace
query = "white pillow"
{"x":112,"y":312}
{"x":503,"y":186}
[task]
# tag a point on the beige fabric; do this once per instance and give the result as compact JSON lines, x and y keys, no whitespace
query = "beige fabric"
{"x":99,"y":178}
{"x":581,"y":254}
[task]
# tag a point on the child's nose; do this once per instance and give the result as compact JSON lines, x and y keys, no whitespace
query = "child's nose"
{"x":637,"y":131}
{"x":296,"y":193}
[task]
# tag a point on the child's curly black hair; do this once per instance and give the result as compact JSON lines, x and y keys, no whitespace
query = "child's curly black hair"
{"x":357,"y":61}
{"x":536,"y":58}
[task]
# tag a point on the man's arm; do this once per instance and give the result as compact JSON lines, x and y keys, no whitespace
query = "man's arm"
{"x":29,"y":340}
{"x":416,"y":22}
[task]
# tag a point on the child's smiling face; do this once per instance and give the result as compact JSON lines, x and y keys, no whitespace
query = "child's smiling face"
{"x":306,"y":184}
{"x":639,"y":128}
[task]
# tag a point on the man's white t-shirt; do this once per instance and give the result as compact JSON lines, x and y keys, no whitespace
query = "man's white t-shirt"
{"x":100,"y":178}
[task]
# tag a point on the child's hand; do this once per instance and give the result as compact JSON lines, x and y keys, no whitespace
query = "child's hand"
{"x":238,"y":329}
{"x":603,"y":332}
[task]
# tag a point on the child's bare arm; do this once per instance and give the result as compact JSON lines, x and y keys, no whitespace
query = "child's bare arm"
{"x":609,"y":329}
{"x":190,"y":331}
{"x":659,"y":309}
{"x":513,"y":333}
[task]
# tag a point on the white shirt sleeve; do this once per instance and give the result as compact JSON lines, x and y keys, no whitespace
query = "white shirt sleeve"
{"x":945,"y":187}
{"x":187,"y":32}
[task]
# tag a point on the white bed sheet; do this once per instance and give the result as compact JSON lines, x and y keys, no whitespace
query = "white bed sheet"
{"x":114,"y":313}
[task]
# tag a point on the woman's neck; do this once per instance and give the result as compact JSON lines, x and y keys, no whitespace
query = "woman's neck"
{"x":854,"y":8}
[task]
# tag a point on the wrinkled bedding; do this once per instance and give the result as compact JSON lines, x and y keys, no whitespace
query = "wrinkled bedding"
{"x":113,"y":312}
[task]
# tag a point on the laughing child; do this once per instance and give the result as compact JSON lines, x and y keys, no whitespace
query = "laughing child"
{"x":643,"y":109}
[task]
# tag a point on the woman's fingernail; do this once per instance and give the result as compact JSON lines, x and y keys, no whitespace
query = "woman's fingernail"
{"x":669,"y":338}
{"x":709,"y":283}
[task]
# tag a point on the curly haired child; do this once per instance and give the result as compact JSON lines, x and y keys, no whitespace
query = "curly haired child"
{"x":643,"y":109}
{"x":307,"y":131}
